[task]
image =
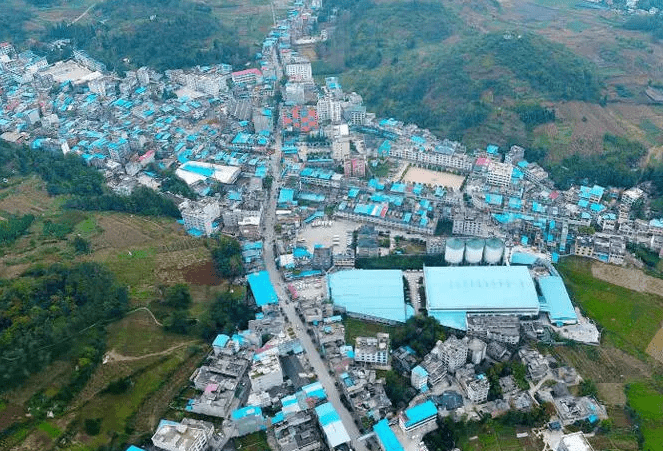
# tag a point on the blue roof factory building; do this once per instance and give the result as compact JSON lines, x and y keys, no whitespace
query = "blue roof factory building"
{"x":374,"y":295}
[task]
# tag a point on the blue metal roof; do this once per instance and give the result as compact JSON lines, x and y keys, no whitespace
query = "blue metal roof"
{"x":480,"y":289}
{"x":556,"y":300}
{"x":248,"y":411}
{"x":262,"y":288}
{"x":387,"y":438}
{"x":327,"y":414}
{"x":221,"y":340}
{"x":377,"y":293}
{"x":521,"y":258}
{"x":419,"y":413}
{"x":456,"y":319}
{"x":420,"y":371}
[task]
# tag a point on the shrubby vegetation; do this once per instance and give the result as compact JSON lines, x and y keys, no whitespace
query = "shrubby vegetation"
{"x":12,"y":19}
{"x":420,"y":333}
{"x":617,"y":165}
{"x":13,"y":227}
{"x":227,"y":257}
{"x":393,"y":261}
{"x":45,"y":309}
{"x":534,"y":114}
{"x":441,"y":90}
{"x":142,"y":201}
{"x":228,"y":314}
{"x":162,"y":34}
{"x":398,"y":389}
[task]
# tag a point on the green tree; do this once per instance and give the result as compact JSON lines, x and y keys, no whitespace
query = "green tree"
{"x":178,"y":297}
{"x":227,"y":257}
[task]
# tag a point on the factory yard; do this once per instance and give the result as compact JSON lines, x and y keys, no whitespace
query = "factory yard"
{"x":428,"y":177}
{"x":334,"y":234}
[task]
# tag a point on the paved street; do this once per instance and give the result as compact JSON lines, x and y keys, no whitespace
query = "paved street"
{"x":314,"y":358}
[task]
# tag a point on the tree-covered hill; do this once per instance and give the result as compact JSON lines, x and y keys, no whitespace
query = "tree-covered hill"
{"x":45,"y":310}
{"x":451,"y":88}
{"x":162,"y":34}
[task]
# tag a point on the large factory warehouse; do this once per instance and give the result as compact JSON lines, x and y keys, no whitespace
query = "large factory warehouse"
{"x":454,"y":291}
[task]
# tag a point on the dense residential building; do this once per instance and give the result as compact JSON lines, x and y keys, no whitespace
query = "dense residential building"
{"x":373,"y":350}
{"x":188,"y":435}
{"x":499,"y":174}
{"x":299,"y":118}
{"x":419,"y":377}
{"x":419,"y":419}
{"x":200,"y":215}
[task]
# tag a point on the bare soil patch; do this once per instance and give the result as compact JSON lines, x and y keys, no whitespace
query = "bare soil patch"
{"x":630,"y":278}
{"x":612,"y":393}
{"x":655,"y":347}
{"x":428,"y":177}
{"x":202,"y":273}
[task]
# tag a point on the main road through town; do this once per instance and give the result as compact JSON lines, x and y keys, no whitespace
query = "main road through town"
{"x":300,"y":330}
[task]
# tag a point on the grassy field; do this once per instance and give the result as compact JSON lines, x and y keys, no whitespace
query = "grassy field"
{"x":630,"y":319}
{"x":499,"y":437}
{"x":647,"y":402}
{"x":357,"y":328}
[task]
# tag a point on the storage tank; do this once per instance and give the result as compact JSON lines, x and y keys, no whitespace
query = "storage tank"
{"x":453,"y":251}
{"x":474,"y":251}
{"x":477,"y":350}
{"x":493,"y":251}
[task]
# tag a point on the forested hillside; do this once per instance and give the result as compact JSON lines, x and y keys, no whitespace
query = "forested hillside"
{"x":48,"y":310}
{"x":452,"y":88}
{"x":162,"y":34}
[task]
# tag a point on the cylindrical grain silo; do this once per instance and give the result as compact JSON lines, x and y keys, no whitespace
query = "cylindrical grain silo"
{"x":474,"y":251}
{"x":493,"y":251}
{"x":453,"y":251}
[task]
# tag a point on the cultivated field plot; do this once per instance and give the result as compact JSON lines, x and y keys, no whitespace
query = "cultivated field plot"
{"x":433,"y":178}
{"x":630,"y":318}
{"x":28,"y":196}
{"x":630,"y":278}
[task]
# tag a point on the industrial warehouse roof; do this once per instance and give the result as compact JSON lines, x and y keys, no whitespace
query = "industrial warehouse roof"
{"x":556,"y":301}
{"x":377,"y":293}
{"x":262,"y":288}
{"x":332,"y":425}
{"x":195,"y":172}
{"x":419,"y":413}
{"x":500,"y":289}
{"x":386,"y":436}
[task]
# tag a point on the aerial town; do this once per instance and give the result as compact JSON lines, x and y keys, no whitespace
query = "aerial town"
{"x":309,"y":182}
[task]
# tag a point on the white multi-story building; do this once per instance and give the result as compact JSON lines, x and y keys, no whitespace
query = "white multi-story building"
{"x":499,"y":174}
{"x":469,"y":226}
{"x":574,"y":442}
{"x":200,"y":215}
{"x":266,"y":371}
{"x":419,"y":377}
{"x":372,"y":350}
{"x":458,"y":161}
{"x":476,"y":388}
{"x":452,"y":352}
{"x":329,"y":109}
{"x":189,"y":435}
{"x":299,"y":71}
